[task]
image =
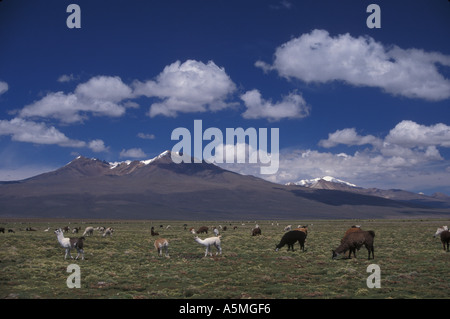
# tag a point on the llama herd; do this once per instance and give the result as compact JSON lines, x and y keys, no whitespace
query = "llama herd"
{"x":353,"y":239}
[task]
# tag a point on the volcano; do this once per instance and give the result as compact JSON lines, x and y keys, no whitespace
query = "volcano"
{"x":159,"y":188}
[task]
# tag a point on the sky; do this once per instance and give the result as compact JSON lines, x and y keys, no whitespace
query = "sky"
{"x":368,"y":105}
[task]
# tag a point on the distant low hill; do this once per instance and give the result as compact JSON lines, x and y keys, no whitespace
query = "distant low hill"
{"x":161,"y":189}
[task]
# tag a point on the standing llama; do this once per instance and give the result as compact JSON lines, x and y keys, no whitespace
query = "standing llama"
{"x":208,"y":242}
{"x":445,"y":236}
{"x":69,"y":243}
{"x":160,"y":244}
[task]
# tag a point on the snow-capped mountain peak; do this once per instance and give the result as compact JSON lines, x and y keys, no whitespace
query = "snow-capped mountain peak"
{"x":314,"y":181}
{"x":113,"y":165}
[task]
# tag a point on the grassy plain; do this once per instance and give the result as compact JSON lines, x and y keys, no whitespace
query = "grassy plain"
{"x":126,"y":265}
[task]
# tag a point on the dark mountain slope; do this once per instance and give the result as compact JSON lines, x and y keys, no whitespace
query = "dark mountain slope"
{"x":161,"y":189}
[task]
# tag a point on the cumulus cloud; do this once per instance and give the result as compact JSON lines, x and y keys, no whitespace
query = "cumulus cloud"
{"x":27,"y":131}
{"x":3,"y":87}
{"x":100,"y":96}
{"x":319,"y":57}
{"x":132,"y":153}
{"x":411,"y":134}
{"x":405,"y":135}
{"x":97,"y":146}
{"x":104,"y":88}
{"x":187,"y":87}
{"x":22,"y":130}
{"x":291,"y":106}
{"x":349,"y":137}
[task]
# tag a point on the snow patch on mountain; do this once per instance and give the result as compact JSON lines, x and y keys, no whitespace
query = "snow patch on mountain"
{"x":113,"y":165}
{"x":311,"y":182}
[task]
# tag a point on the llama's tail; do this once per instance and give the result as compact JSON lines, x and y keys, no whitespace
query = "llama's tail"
{"x":371,"y":232}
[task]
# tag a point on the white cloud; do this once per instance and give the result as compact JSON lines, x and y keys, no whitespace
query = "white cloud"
{"x":349,"y":137}
{"x":27,"y":131}
{"x":410,"y":134}
{"x":132,"y":153}
{"x":104,"y":88}
{"x":188,"y":87}
{"x":100,"y":96}
{"x":3,"y":87}
{"x":22,"y":130}
{"x":66,"y":78}
{"x":319,"y":57}
{"x":97,"y":146}
{"x":146,"y":136}
{"x":292,"y":106}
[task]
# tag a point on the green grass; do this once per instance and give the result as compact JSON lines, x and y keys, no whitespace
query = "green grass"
{"x":413,"y":263}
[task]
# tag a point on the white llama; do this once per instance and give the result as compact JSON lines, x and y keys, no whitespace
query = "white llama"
{"x":69,"y":243}
{"x":208,"y":242}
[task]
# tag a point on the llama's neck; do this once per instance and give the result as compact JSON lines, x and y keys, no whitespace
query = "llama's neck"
{"x":342,"y":248}
{"x":200,"y":241}
{"x":60,"y":237}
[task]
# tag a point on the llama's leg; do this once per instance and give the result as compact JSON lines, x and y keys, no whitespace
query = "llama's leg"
{"x":68,"y":253}
{"x":80,"y":251}
{"x":302,"y":247}
{"x":219,"y":249}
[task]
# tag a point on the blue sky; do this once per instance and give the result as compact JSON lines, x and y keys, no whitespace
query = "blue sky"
{"x":370,"y":106}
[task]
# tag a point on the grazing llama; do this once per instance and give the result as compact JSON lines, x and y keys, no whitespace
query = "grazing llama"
{"x":208,"y":242}
{"x":354,"y":241}
{"x":152,"y":231}
{"x":69,"y":243}
{"x":290,"y":238}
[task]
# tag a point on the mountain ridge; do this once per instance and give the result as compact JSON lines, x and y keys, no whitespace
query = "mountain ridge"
{"x":161,"y":189}
{"x":331,"y":183}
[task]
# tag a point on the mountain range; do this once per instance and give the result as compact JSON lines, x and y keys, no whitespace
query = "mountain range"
{"x":437,"y":200}
{"x":161,"y":189}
